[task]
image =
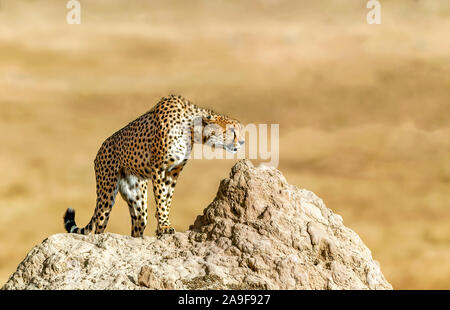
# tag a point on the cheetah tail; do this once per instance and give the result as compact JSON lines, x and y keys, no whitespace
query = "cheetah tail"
{"x":71,"y":227}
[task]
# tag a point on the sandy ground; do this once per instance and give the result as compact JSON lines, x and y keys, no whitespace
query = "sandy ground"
{"x":363,"y":111}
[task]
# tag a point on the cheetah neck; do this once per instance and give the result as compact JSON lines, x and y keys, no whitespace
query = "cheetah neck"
{"x":204,"y":113}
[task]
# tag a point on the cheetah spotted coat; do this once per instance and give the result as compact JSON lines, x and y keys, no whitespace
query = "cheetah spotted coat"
{"x":155,"y":146}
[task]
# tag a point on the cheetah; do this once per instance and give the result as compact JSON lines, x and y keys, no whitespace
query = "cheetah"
{"x":156,"y":147}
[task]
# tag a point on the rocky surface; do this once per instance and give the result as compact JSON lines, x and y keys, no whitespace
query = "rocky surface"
{"x":259,"y":233}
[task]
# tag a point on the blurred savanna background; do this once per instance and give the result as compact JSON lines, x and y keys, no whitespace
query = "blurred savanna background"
{"x":363,"y":111}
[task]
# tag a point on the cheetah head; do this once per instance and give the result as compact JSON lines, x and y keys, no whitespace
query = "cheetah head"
{"x":223,"y":132}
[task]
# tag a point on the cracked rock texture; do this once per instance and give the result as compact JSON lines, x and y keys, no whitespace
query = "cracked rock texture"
{"x":259,"y":233}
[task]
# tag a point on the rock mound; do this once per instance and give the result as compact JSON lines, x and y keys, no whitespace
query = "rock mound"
{"x":258,"y":233}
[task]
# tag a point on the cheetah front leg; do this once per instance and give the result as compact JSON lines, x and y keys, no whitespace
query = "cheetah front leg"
{"x":163,"y":188}
{"x":171,"y":178}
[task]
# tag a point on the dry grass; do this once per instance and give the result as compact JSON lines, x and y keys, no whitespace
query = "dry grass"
{"x":363,"y":111}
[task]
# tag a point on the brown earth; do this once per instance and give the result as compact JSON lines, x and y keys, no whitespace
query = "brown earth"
{"x":258,"y":233}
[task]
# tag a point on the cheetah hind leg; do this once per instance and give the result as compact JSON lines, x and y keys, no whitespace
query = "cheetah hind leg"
{"x":134,"y":191}
{"x":105,"y":201}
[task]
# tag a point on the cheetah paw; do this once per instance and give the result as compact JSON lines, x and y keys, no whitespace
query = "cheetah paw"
{"x":163,"y":230}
